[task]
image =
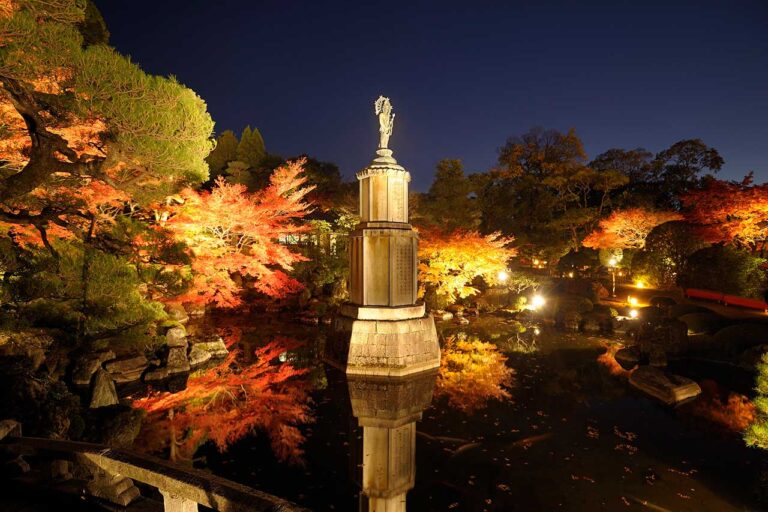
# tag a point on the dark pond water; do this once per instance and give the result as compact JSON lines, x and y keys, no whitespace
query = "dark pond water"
{"x":570,"y":436}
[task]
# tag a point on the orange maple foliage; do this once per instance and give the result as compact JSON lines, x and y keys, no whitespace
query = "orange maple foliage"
{"x":608,"y":360}
{"x":734,"y":213}
{"x":736,"y":413}
{"x":627,"y":229}
{"x":235,"y":232}
{"x":451,"y":261}
{"x":471,"y":373}
{"x":73,"y":207}
{"x":230,"y":401}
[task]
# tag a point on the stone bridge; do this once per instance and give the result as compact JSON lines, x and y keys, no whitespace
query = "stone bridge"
{"x":107,"y":476}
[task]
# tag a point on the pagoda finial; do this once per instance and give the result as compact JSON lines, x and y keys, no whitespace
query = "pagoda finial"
{"x":386,"y":120}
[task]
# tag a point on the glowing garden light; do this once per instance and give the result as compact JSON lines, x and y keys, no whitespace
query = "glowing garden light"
{"x":502,"y":276}
{"x":632,"y":313}
{"x":639,"y":284}
{"x":632,"y":301}
{"x":537,"y":301}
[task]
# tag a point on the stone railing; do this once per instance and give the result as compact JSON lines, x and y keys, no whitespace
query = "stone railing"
{"x":109,"y":474}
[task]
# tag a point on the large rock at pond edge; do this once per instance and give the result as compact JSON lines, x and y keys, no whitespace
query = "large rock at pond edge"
{"x":177,"y":313}
{"x":198,"y":356}
{"x":87,"y":366}
{"x":216,"y":348}
{"x":667,"y":387}
{"x":177,"y":360}
{"x":627,"y":357}
{"x":104,"y":393}
{"x":176,"y":337}
{"x":156,"y":374}
{"x":127,"y":370}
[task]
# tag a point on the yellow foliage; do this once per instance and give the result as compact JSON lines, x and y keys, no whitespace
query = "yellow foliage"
{"x":450,"y":262}
{"x":472,"y":372}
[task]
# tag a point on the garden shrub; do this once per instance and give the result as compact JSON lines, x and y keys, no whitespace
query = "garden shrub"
{"x":725,"y":269}
{"x":667,"y":247}
{"x":757,"y":433}
{"x":51,"y":295}
{"x":646,"y":267}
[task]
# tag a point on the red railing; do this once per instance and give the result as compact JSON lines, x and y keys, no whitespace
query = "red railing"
{"x":728,"y":300}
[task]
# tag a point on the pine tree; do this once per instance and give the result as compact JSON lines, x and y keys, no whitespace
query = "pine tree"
{"x":251,"y":148}
{"x":224,"y":152}
{"x":448,"y":203}
{"x":89,"y":113}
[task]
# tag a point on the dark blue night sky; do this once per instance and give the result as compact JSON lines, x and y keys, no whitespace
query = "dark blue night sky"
{"x":463,"y":76}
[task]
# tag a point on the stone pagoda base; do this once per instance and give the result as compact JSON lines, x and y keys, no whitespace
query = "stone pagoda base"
{"x":386,"y":341}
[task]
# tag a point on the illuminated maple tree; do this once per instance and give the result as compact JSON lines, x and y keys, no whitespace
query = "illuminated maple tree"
{"x":471,"y":373}
{"x":450,"y":262}
{"x":230,"y":401}
{"x":627,"y":229}
{"x":235,"y":232}
{"x":731,"y":212}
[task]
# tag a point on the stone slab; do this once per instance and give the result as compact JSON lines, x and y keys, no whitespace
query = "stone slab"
{"x":383,"y":313}
{"x":667,"y":387}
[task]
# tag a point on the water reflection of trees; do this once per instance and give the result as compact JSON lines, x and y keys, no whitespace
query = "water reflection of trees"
{"x":225,"y":403}
{"x":471,"y":373}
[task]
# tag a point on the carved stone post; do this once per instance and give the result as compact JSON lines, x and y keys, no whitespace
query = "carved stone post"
{"x":173,"y":503}
{"x":383,"y":330}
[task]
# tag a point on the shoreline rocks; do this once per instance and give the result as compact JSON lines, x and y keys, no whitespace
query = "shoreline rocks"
{"x":104,"y":393}
{"x":86,"y":367}
{"x":127,"y":370}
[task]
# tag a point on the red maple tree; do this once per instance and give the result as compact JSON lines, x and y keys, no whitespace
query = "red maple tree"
{"x":233,"y":232}
{"x":730,"y":212}
{"x":627,"y":229}
{"x":228,"y":402}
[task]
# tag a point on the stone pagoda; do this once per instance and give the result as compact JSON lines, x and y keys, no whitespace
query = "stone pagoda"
{"x":382,"y":330}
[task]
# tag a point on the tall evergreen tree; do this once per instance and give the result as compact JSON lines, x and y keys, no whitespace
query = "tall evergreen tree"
{"x":251,"y":149}
{"x":448,"y":203}
{"x":224,"y":152}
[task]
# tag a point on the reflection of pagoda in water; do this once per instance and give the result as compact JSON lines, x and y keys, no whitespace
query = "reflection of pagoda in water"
{"x":387,"y":410}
